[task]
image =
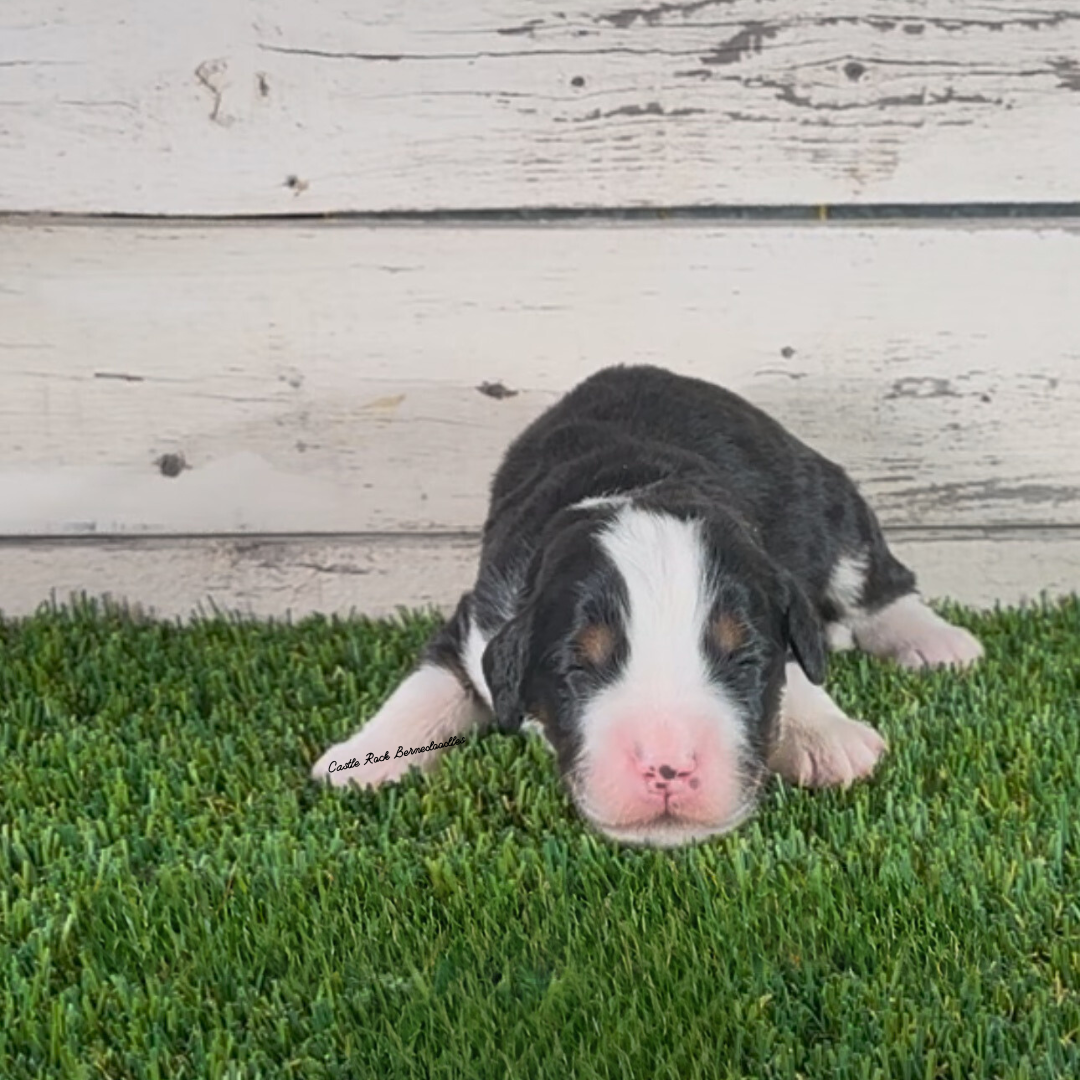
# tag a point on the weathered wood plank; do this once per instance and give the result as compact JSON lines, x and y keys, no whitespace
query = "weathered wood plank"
{"x":266,"y":378}
{"x":268,"y":576}
{"x":275,"y":576}
{"x":224,"y":107}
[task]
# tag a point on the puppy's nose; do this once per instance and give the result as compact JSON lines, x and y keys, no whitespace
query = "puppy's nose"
{"x":669,"y":778}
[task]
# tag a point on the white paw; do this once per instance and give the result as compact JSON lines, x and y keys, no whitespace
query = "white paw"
{"x":362,"y":760}
{"x":915,"y":636}
{"x":828,"y":751}
{"x":942,"y":646}
{"x":429,"y":711}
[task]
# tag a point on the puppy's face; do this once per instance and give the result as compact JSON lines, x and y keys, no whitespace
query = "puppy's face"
{"x":651,"y":648}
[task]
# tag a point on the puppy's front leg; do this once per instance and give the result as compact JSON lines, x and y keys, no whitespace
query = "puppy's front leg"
{"x":431,"y":705}
{"x":819,"y":745}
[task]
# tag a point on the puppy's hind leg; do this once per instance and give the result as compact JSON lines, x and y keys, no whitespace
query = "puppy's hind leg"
{"x":819,"y":746}
{"x":875,"y":595}
{"x":433,"y":704}
{"x":913,"y":635}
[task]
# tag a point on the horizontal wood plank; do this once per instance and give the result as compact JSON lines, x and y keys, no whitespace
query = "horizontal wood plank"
{"x":221,"y":107}
{"x":272,"y":379}
{"x":377,"y":576}
{"x":259,"y":576}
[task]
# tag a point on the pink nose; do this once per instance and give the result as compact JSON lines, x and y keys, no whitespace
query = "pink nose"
{"x":670,"y":779}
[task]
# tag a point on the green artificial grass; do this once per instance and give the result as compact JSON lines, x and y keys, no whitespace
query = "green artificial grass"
{"x":179,"y":900}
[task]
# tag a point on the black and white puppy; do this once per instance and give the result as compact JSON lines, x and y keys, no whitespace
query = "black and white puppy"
{"x":662,"y":566}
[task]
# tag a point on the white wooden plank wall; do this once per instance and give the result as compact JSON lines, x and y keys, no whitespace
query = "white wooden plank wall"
{"x":287,"y":415}
{"x":272,"y":576}
{"x":326,"y":378}
{"x":235,"y":107}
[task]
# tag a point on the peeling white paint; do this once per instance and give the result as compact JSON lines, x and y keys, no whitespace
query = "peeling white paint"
{"x":939,"y":365}
{"x":211,"y":107}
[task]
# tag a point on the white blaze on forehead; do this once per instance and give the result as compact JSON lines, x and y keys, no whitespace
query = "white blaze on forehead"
{"x":663,"y":708}
{"x":664,"y":567}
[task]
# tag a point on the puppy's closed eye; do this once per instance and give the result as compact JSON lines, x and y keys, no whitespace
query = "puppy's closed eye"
{"x":728,"y":632}
{"x":594,"y":645}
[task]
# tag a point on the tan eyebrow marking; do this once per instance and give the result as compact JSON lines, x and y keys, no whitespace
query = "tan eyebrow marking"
{"x":728,"y":632}
{"x":595,"y":643}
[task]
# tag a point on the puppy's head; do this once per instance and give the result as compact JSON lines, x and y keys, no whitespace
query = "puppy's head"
{"x":651,"y":647}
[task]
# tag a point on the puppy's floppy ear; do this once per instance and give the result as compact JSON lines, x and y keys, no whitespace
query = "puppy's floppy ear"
{"x":803,"y":631}
{"x":506,"y":663}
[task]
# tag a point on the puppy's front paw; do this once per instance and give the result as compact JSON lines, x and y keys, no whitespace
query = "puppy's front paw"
{"x":830,"y":751}
{"x":364,"y":760}
{"x":421,"y":717}
{"x":940,"y":646}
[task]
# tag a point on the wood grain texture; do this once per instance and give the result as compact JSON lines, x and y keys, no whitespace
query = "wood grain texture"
{"x":268,"y":379}
{"x":219,"y":107}
{"x":260,"y":576}
{"x":276,"y":576}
